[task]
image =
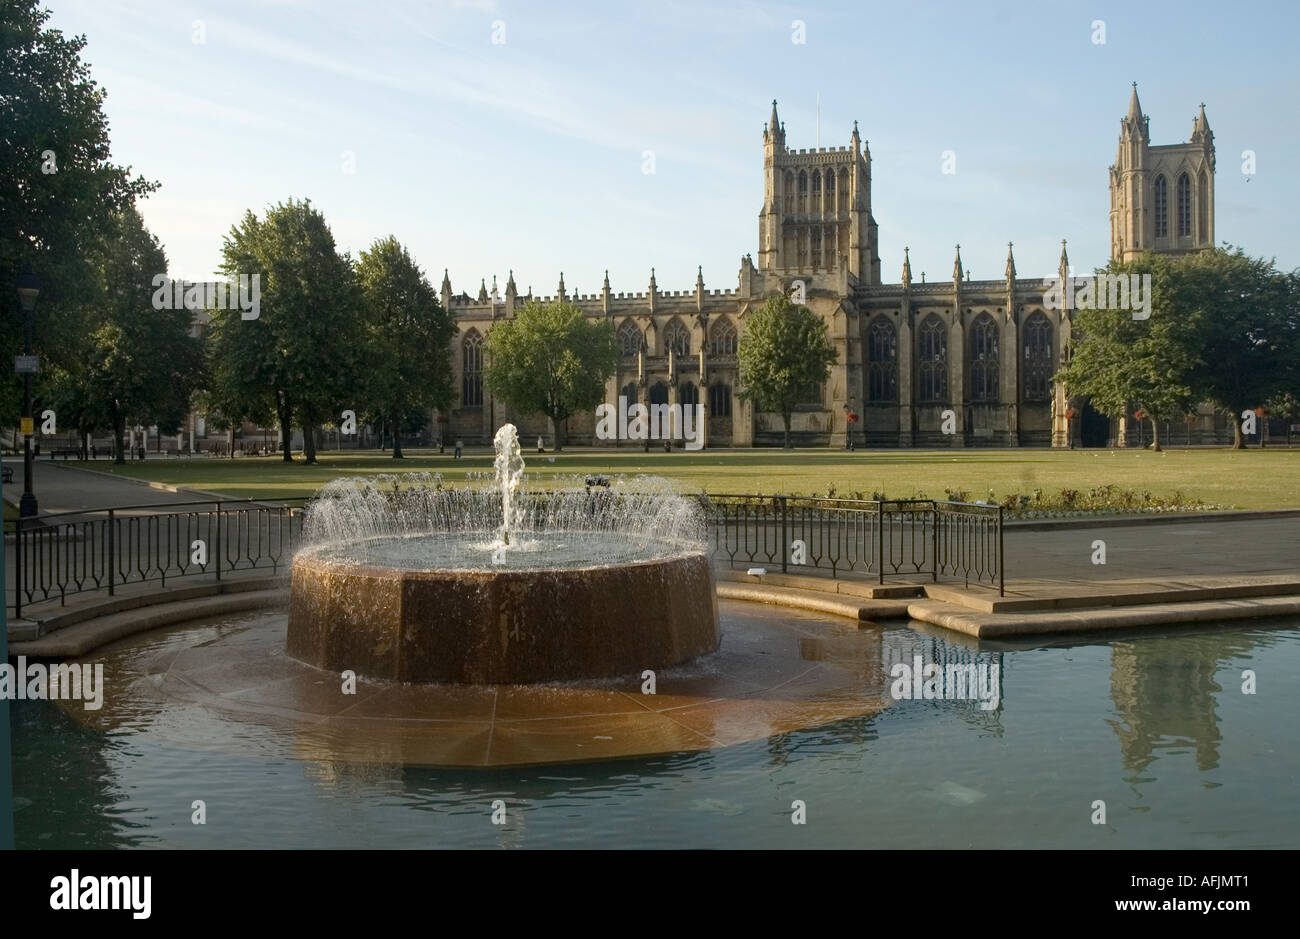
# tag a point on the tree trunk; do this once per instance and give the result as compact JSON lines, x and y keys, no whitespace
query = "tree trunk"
{"x":397,"y":440}
{"x":1155,"y":435}
{"x":562,"y":434}
{"x":286,"y":432}
{"x":786,"y":419}
{"x":1238,"y":439}
{"x":119,"y":439}
{"x":309,"y":442}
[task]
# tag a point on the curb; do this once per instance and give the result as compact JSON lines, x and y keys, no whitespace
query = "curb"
{"x":1115,"y":521}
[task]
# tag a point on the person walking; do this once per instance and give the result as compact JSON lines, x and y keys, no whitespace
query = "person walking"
{"x":459,"y":449}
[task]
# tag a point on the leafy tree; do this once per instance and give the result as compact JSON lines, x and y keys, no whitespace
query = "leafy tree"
{"x":1285,"y":405}
{"x":61,"y":193}
{"x":783,"y":350}
{"x":132,"y":362}
{"x":1119,"y":361}
{"x":301,"y":358}
{"x":550,"y":359}
{"x":1240,"y":320}
{"x":409,"y":338}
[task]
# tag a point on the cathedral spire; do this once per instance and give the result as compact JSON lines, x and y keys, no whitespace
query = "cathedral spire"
{"x":1201,"y":127}
{"x":482,"y":291}
{"x":855,"y":140}
{"x":956,"y":266}
{"x":510,"y":283}
{"x":1134,"y":106}
{"x":1011,"y":264}
{"x":774,"y":123}
{"x":907,"y":268}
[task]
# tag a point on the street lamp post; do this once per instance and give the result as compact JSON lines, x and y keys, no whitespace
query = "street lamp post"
{"x":29,"y":288}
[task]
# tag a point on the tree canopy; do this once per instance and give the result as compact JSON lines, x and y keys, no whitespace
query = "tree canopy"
{"x":784,"y":350}
{"x":302,"y":358}
{"x":408,"y":341}
{"x":549,"y":359}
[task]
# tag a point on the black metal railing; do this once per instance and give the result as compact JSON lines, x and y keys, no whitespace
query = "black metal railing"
{"x":68,"y":553}
{"x":889,"y":538}
{"x":74,"y":552}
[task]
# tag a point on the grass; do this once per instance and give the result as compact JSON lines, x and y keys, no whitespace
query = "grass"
{"x":1244,"y":479}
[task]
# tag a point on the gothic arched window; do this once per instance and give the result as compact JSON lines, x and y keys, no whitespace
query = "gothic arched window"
{"x":677,"y":338}
{"x":630,"y":340}
{"x":844,"y":191}
{"x":1184,"y":206}
{"x":1161,"y":207}
{"x":688,"y":395}
{"x":471,"y":393}
{"x":1203,"y":207}
{"x":984,"y":359}
{"x":882,"y":357}
{"x":719,"y":400}
{"x":932,"y":349}
{"x":1036,"y":341}
{"x":788,"y":203}
{"x":830,"y":190}
{"x":724,"y":338}
{"x":803,"y":192}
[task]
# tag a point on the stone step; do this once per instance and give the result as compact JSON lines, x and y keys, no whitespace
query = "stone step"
{"x":79,"y":639}
{"x":995,"y":625}
{"x":1079,"y":596}
{"x":825,"y":584}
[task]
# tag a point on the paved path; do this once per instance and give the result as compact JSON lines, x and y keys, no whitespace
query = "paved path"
{"x":62,"y":487}
{"x":1158,"y":549}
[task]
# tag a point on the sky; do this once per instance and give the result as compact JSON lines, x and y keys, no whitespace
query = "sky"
{"x":495,"y":136}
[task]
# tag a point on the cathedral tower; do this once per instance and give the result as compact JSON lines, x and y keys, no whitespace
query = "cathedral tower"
{"x":1161,"y":198}
{"x":816,"y":215}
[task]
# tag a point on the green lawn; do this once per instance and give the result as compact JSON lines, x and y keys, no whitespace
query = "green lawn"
{"x":1246,"y":479}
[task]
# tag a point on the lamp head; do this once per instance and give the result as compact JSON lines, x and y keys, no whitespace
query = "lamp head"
{"x":29,"y":288}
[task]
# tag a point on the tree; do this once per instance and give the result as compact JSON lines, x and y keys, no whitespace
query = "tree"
{"x":301,"y":358}
{"x":132,"y":362}
{"x":1239,"y":317}
{"x":548,"y":359}
{"x":61,"y":194}
{"x":409,"y":338}
{"x":1120,"y":362}
{"x":784,"y":350}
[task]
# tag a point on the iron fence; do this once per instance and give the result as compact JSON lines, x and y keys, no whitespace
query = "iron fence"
{"x":887,"y":538}
{"x":75,"y":552}
{"x":103,"y":549}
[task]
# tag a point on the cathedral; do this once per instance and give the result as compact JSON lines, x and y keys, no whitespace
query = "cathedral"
{"x":952,"y":363}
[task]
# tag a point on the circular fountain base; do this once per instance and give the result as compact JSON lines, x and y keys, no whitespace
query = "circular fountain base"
{"x":501,"y":626}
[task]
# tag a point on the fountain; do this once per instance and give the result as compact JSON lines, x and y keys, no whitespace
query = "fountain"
{"x":401,"y":578}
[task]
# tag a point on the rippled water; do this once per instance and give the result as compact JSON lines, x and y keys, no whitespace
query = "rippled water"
{"x":545,"y":550}
{"x":1154,"y":724}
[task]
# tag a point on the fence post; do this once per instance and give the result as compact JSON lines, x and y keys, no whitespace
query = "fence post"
{"x":785,"y":535}
{"x":18,"y":570}
{"x":112,"y":551}
{"x":1002,"y":587}
{"x":934,"y":541}
{"x":216,"y":547}
{"x":880,"y":538}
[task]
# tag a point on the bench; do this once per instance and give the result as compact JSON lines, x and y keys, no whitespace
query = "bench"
{"x":65,"y":452}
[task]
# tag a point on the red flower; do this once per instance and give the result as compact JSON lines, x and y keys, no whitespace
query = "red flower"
{"x":853,"y":418}
{"x":1139,"y":414}
{"x":1069,"y":415}
{"x":1261,"y":411}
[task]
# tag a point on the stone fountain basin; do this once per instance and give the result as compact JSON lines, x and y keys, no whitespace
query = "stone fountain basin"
{"x":501,"y":626}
